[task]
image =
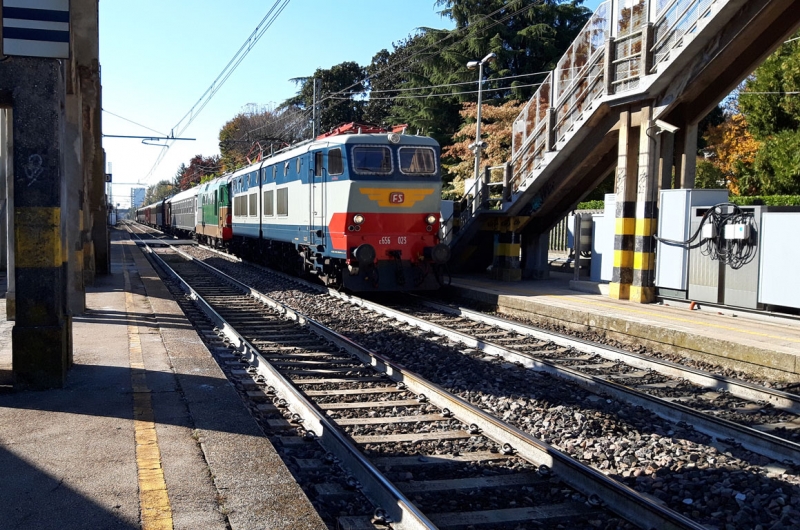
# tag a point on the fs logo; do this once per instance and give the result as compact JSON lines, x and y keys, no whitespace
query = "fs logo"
{"x":397,"y":197}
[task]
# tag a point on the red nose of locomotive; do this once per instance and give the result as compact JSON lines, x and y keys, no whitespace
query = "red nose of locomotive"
{"x":411,"y":237}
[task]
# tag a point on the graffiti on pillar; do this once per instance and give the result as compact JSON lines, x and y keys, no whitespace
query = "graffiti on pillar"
{"x":33,"y":169}
{"x":621,"y":176}
{"x":642,"y":185}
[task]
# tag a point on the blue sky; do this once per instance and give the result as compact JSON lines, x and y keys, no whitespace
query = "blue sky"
{"x":158,"y":58}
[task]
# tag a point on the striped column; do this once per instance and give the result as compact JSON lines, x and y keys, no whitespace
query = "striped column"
{"x":643,"y":287}
{"x":41,"y":337}
{"x":506,"y":262}
{"x":625,"y":226}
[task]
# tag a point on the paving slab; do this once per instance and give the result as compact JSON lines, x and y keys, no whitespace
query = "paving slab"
{"x":69,"y":458}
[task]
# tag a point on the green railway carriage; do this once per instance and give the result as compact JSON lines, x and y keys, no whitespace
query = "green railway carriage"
{"x":214,"y":212}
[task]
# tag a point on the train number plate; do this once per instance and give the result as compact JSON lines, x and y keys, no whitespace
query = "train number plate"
{"x":386,"y":240}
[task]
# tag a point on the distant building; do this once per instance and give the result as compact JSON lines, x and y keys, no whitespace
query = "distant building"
{"x":137,"y":197}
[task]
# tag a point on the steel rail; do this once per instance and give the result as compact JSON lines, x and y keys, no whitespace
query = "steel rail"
{"x":381,"y":492}
{"x":619,"y":498}
{"x":741,"y":389}
{"x":723,"y":430}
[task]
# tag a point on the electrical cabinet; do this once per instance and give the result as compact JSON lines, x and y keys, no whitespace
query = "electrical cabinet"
{"x":713,"y":281}
{"x":780,"y":256}
{"x":675,"y":223}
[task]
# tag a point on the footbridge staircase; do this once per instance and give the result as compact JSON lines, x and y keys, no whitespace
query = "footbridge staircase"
{"x":656,"y":66}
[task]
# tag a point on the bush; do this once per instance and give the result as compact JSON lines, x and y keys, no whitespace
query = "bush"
{"x":591,"y":205}
{"x":767,"y":200}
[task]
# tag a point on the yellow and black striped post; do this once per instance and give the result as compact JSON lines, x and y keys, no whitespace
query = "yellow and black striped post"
{"x":625,"y":191}
{"x":643,"y":286}
{"x":41,"y":338}
{"x":506,"y":262}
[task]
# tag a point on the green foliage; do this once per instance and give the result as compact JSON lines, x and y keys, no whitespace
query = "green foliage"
{"x":708,"y":176}
{"x":767,"y":200}
{"x":159,"y":192}
{"x":591,"y":205}
{"x":764,"y":100}
{"x":777,"y":163}
{"x":341,"y":89}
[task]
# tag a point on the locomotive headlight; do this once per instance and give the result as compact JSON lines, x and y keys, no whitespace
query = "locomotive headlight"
{"x":431,"y":219}
{"x":394,"y":138}
{"x":358,"y":218}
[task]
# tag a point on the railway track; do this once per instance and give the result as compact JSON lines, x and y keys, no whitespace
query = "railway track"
{"x":712,"y":480}
{"x":393,"y":421}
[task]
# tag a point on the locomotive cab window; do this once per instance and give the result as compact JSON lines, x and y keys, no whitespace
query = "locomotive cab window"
{"x":371,"y":160}
{"x":297,"y":165}
{"x":335,"y":166}
{"x":417,"y":160}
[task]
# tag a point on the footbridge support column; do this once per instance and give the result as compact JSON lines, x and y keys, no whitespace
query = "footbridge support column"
{"x":535,"y":249}
{"x":625,"y":191}
{"x":643,"y":286}
{"x":506,"y":262}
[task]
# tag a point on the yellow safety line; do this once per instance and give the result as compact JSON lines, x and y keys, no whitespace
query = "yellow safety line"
{"x":156,"y":512}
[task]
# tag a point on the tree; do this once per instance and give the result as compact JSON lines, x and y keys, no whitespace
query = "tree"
{"x":528,"y":36}
{"x":257,"y":131}
{"x":159,"y":192}
{"x":770,"y":103}
{"x":732,"y":151}
{"x":340,"y":95}
{"x":767,"y":98}
{"x":496,"y":131}
{"x":200,"y":167}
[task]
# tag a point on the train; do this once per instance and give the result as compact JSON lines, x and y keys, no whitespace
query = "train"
{"x":357,"y":208}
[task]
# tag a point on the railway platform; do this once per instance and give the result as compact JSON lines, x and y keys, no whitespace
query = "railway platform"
{"x":146,"y":433}
{"x":761,"y":344}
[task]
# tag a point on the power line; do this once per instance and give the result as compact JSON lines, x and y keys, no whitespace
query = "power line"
{"x":470,"y":27}
{"x":133,"y":122}
{"x":275,"y":11}
{"x":423,"y":96}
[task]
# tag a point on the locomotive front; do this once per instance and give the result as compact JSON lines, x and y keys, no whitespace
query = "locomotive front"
{"x":390,"y":228}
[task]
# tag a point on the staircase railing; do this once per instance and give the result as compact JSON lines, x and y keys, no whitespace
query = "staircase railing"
{"x":623,"y":41}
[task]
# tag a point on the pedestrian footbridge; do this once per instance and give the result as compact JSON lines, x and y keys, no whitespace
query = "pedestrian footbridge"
{"x":626,"y":97}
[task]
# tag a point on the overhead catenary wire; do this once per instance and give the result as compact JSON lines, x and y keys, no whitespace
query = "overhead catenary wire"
{"x":454,"y":34}
{"x":266,"y":22}
{"x":470,"y":27}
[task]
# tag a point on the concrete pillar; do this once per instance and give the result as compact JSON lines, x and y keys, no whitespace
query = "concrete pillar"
{"x":72,"y":205}
{"x":625,"y":190}
{"x":535,"y":247}
{"x":3,"y":194}
{"x":643,"y":287}
{"x":93,"y":228}
{"x":506,"y":262}
{"x":41,"y":337}
{"x":667,"y":148}
{"x":7,"y":171}
{"x":689,"y":157}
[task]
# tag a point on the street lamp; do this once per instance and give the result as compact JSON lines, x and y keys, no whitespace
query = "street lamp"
{"x":479,"y":145}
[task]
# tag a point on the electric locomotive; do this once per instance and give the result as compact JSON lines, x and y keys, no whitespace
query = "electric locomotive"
{"x":358,"y":209}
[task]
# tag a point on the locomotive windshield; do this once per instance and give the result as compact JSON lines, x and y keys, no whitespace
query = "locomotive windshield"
{"x":372,"y":160}
{"x":417,"y":160}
